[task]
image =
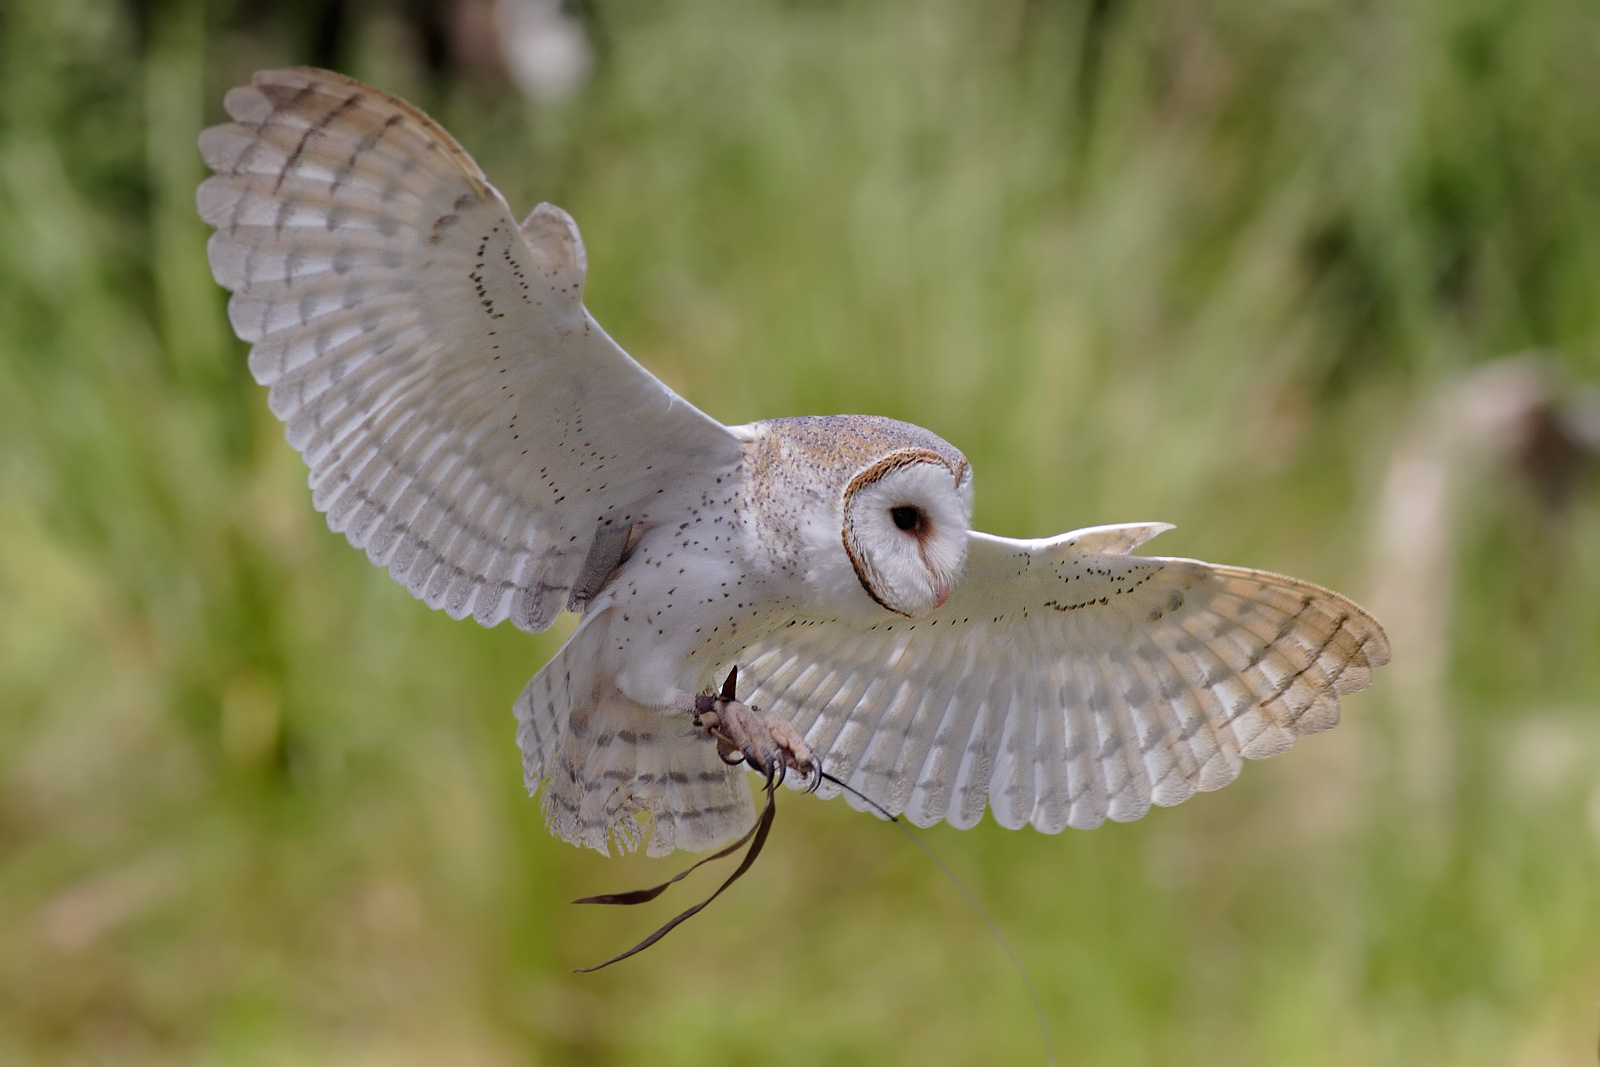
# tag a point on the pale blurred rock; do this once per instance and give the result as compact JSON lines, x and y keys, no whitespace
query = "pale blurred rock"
{"x":1510,"y":414}
{"x":546,"y":51}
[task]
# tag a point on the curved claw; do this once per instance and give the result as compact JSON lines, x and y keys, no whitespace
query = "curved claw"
{"x":816,"y":776}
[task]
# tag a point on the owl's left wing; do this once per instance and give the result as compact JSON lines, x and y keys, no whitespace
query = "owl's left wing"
{"x":1067,"y":681}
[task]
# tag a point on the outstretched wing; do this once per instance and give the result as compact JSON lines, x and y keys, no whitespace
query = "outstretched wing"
{"x":1066,"y":681}
{"x":465,"y":420}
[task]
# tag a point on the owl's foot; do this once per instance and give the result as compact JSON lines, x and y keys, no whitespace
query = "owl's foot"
{"x":768,"y":743}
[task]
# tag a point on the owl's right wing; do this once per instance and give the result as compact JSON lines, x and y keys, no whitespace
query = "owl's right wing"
{"x":465,"y":420}
{"x":1066,"y":681}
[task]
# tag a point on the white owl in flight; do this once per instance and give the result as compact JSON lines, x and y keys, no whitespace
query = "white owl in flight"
{"x":471,"y":427}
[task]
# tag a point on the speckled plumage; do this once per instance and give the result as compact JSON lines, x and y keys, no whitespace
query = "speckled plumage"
{"x":471,"y":427}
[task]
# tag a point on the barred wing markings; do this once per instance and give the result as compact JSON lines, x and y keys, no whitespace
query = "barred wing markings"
{"x":1067,"y":681}
{"x":465,"y":420}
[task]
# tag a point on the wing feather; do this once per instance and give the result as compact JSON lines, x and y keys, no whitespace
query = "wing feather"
{"x":1052,"y":758}
{"x":1067,"y":682}
{"x":1011,"y":783}
{"x":1090,"y":795}
{"x":464,"y":419}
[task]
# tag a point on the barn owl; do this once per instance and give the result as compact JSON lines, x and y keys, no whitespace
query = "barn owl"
{"x":474,"y":430}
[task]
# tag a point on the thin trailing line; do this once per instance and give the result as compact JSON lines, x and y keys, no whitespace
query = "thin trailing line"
{"x":927,"y":850}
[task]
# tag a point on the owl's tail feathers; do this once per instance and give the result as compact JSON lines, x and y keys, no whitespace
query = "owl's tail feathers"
{"x":614,"y":770}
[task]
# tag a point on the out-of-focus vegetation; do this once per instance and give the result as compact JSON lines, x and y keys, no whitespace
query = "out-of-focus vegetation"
{"x":1225,"y":264}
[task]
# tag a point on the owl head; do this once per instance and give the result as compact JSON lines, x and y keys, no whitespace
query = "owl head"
{"x":895,"y":498}
{"x":906,"y":518}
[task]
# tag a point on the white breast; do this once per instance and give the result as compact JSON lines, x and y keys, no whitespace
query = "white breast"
{"x":690,"y":596}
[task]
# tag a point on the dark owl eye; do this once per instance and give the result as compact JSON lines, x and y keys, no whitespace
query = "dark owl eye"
{"x":906,"y":517}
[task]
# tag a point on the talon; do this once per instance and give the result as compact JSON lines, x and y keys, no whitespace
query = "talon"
{"x":745,"y":734}
{"x":814,"y":774}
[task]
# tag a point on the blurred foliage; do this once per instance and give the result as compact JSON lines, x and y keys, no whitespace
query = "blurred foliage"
{"x":1215,"y":263}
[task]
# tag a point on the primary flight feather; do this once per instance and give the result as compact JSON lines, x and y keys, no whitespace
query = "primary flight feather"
{"x":473,"y":429}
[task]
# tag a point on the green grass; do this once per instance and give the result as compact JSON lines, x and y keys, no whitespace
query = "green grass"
{"x":1213,"y":264}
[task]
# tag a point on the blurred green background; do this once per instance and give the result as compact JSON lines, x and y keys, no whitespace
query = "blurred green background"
{"x":1317,"y":281}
